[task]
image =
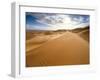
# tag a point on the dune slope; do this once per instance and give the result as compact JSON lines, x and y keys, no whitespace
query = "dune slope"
{"x":68,"y":49}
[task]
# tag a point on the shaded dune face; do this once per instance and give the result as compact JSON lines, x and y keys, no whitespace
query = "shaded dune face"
{"x":85,"y":35}
{"x":83,"y":32}
{"x":68,"y":49}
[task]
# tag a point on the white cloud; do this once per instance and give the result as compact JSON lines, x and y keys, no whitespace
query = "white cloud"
{"x":60,"y":21}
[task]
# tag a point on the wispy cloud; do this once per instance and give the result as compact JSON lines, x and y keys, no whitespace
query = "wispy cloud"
{"x":53,"y":21}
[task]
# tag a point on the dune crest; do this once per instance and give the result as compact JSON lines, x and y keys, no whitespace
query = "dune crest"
{"x":68,"y":49}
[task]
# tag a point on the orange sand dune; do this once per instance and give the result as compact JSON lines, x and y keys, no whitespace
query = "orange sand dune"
{"x":37,"y":41}
{"x":68,"y":49}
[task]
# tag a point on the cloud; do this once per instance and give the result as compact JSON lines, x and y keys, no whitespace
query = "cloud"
{"x":53,"y":20}
{"x":60,"y":21}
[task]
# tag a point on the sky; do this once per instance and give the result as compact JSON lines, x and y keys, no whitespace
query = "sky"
{"x":55,"y":21}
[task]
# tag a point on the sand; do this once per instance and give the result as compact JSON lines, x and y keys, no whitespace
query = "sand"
{"x":67,"y":49}
{"x":37,"y":41}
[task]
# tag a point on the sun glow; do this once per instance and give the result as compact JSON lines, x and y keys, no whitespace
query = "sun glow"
{"x":58,"y":21}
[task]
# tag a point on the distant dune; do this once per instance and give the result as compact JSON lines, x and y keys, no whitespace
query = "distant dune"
{"x":64,"y":48}
{"x":83,"y":32}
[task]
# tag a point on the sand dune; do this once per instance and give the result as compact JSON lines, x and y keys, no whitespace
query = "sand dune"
{"x":85,"y":35}
{"x":37,"y":41}
{"x":68,"y":49}
{"x":82,"y":32}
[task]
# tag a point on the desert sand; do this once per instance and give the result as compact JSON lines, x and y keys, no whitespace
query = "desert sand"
{"x":67,"y":48}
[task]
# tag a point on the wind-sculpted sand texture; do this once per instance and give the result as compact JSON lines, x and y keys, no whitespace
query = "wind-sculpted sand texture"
{"x":65,"y":48}
{"x":37,"y":41}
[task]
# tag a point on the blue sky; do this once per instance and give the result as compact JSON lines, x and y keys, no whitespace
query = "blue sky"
{"x":55,"y":21}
